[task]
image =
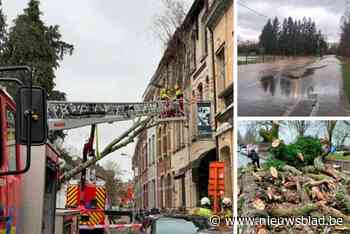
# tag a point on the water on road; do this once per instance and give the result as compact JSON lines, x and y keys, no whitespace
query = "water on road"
{"x":293,"y":87}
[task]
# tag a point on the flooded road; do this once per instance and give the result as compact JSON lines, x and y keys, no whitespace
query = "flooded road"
{"x":293,"y":87}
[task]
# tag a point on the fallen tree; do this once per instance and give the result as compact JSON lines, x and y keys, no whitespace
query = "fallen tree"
{"x":294,"y":187}
{"x":123,"y":140}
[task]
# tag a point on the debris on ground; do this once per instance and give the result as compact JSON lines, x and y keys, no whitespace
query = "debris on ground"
{"x":294,"y":182}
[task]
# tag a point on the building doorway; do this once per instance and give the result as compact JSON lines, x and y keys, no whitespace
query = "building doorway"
{"x":200,"y":172}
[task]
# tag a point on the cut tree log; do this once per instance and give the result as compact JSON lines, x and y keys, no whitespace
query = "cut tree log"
{"x":302,"y":193}
{"x":318,"y":176}
{"x":309,"y":169}
{"x":319,"y":165}
{"x":293,"y":211}
{"x":333,"y":212}
{"x":316,"y":193}
{"x":291,"y":169}
{"x":317,"y":183}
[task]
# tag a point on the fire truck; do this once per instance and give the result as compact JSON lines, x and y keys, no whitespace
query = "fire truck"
{"x":29,"y":166}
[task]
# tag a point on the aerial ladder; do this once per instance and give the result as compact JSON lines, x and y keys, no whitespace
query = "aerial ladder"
{"x":90,"y":196}
{"x":69,"y":115}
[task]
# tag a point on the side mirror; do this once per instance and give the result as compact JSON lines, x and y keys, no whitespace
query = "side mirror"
{"x":31,"y":116}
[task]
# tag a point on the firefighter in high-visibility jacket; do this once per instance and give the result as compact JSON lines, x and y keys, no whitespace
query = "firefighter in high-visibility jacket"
{"x":179,"y":98}
{"x":163,"y":94}
{"x":204,"y":209}
{"x":226,"y":211}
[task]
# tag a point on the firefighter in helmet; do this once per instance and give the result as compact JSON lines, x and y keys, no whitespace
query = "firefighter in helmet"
{"x":205,"y":208}
{"x":165,"y":101}
{"x":179,"y":98}
{"x":226,"y":205}
{"x":163,"y":94}
{"x":178,"y":92}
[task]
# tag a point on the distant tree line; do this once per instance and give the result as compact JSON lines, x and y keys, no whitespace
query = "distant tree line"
{"x":293,"y":37}
{"x":344,"y":44}
{"x":248,"y":47}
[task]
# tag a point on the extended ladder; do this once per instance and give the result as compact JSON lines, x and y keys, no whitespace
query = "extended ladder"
{"x":68,"y":115}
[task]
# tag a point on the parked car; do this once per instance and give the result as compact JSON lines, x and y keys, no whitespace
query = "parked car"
{"x":183,"y":225}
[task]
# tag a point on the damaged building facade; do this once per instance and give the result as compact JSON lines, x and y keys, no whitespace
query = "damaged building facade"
{"x":171,"y":160}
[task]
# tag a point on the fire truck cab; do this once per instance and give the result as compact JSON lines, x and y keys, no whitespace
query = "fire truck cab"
{"x":10,"y":159}
{"x":22,"y":194}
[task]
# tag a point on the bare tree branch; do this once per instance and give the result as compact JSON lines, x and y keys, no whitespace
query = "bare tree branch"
{"x":166,"y":23}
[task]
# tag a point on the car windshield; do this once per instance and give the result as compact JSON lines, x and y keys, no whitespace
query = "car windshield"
{"x":175,"y":226}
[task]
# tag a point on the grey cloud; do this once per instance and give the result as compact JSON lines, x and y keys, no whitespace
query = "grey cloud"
{"x":326,"y":13}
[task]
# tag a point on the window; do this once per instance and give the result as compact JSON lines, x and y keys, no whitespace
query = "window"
{"x":221,"y":69}
{"x":200,"y":92}
{"x":153,"y":148}
{"x":154,"y":192}
{"x":204,"y":40}
{"x":159,"y":142}
{"x":178,"y":135}
{"x":11,"y":142}
{"x":150,"y":151}
{"x":164,"y":141}
{"x":145,"y":155}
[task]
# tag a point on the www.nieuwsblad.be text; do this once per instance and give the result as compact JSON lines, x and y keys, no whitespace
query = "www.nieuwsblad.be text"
{"x":272,"y":221}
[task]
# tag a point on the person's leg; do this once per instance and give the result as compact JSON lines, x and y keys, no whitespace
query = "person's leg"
{"x":258,"y":163}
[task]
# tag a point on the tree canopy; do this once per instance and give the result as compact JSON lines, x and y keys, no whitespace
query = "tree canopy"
{"x":344,"y":45}
{"x":293,"y":37}
{"x":31,"y":42}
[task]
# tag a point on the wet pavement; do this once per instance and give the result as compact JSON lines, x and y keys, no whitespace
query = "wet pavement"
{"x":293,"y":87}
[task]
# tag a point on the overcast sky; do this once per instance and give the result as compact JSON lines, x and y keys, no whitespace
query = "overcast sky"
{"x":114,"y":58}
{"x":326,"y":14}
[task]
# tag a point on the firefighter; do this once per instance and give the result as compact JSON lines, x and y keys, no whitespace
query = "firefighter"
{"x":226,"y":208}
{"x":205,"y":209}
{"x":179,"y":98}
{"x":163,"y":94}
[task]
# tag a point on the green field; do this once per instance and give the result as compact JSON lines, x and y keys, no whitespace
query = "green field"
{"x":252,"y":59}
{"x":338,"y":156}
{"x":346,"y":76}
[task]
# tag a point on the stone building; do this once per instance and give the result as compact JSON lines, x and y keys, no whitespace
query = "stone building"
{"x":220,"y":24}
{"x":178,"y":152}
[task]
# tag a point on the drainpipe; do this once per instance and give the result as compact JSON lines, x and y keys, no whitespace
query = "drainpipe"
{"x":214,"y":86}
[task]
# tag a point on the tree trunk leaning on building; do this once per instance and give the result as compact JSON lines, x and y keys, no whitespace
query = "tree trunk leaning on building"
{"x":128,"y":137}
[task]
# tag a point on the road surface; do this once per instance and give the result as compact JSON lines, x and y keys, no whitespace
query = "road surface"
{"x":293,"y":87}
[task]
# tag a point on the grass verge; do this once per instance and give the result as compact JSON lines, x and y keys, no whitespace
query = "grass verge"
{"x":338,"y":156}
{"x":346,"y":76}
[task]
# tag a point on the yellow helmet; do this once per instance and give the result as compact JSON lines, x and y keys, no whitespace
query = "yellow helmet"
{"x":162,"y":91}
